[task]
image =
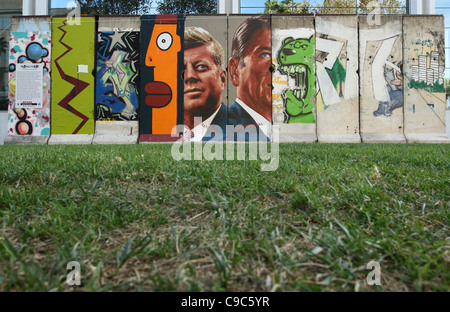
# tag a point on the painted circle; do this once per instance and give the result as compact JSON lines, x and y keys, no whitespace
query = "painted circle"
{"x":21,"y":113}
{"x":34,"y":51}
{"x":23,"y":128}
{"x":22,"y":59}
{"x":164,"y":41}
{"x":12,"y":67}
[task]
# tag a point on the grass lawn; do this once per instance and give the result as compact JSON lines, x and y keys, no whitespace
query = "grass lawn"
{"x":137,"y":220}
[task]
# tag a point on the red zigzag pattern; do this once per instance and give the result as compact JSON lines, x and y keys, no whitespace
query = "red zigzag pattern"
{"x":79,"y":85}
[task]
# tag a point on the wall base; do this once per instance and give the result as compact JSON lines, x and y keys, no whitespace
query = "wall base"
{"x":3,"y":128}
{"x":427,"y":138}
{"x":70,"y":139}
{"x":297,"y":138}
{"x":115,"y":139}
{"x":157,"y":138}
{"x":26,"y":139}
{"x":339,"y":138}
{"x":383,"y":138}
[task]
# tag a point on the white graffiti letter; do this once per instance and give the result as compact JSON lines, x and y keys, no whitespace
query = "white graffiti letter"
{"x":374,"y":16}
{"x":76,"y":13}
{"x":333,"y":48}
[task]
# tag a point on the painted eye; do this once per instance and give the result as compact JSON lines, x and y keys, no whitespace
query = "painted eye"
{"x":304,"y":47}
{"x":164,"y":41}
{"x":201,"y":67}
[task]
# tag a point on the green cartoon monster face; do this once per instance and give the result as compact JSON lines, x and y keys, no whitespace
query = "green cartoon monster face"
{"x":295,"y":59}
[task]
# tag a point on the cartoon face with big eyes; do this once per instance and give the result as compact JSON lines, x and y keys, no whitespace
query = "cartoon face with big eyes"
{"x":162,"y":55}
{"x":160,"y":92}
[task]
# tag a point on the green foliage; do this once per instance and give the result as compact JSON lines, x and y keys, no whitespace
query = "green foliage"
{"x":338,"y":7}
{"x":103,"y":7}
{"x":422,"y":85}
{"x":335,"y":7}
{"x":386,"y":6}
{"x":187,"y":6}
{"x":287,"y":6}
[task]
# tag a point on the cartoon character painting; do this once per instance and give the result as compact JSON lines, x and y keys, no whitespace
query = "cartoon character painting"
{"x":295,"y":59}
{"x":161,"y":76}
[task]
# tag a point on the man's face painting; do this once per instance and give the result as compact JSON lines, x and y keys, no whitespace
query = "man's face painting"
{"x":255,"y":78}
{"x":204,"y":82}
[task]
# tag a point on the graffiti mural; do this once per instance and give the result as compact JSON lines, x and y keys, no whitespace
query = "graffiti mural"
{"x":205,"y":79}
{"x":250,"y":77}
{"x":424,"y":58}
{"x":324,"y":77}
{"x":30,"y":43}
{"x":117,"y":80}
{"x":336,"y":61}
{"x":161,"y":76}
{"x":73,"y":80}
{"x":383,"y":55}
{"x":294,"y":77}
{"x":337,"y":78}
{"x":427,"y":77}
{"x":295,"y":61}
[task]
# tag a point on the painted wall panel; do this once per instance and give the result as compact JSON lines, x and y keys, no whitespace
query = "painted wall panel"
{"x":117,"y":81}
{"x":298,"y":72}
{"x":117,"y":67}
{"x":337,"y":78}
{"x":205,"y":76}
{"x":294,"y":78}
{"x":424,"y":58}
{"x":161,"y":80}
{"x":250,"y":77}
{"x":381,"y":86}
{"x":72,"y":79}
{"x":30,"y":43}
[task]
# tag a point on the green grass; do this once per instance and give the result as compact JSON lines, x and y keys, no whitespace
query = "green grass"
{"x":135,"y":219}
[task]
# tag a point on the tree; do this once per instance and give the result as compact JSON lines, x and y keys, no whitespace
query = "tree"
{"x":102,"y":7}
{"x":386,"y":6}
{"x":336,"y":6}
{"x":287,"y":6}
{"x":187,"y":6}
{"x":361,"y":6}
